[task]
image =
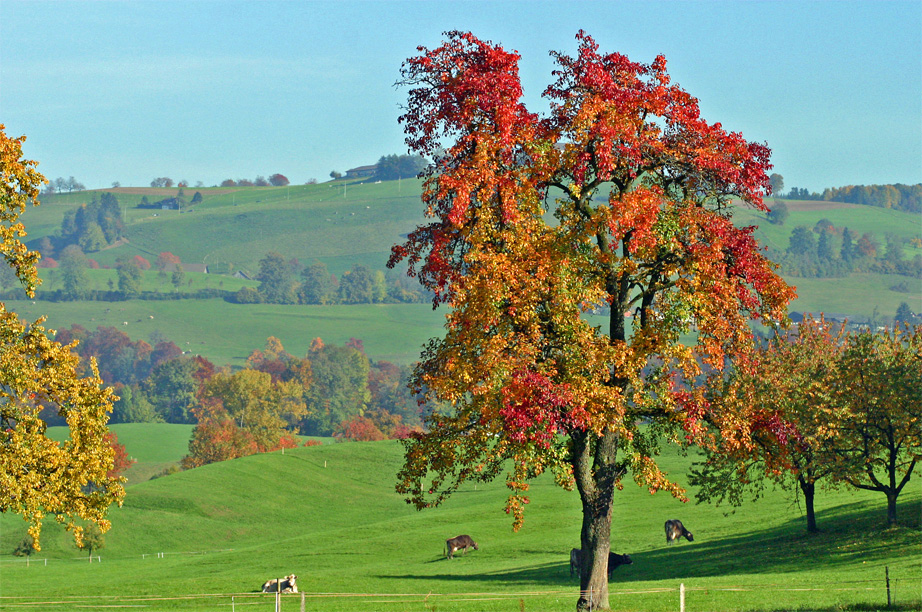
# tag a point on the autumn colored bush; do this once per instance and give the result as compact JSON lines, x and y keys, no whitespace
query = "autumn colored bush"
{"x":122,"y":461}
{"x":360,"y":429}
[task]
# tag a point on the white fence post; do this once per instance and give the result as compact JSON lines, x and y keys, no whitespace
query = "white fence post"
{"x":302,"y":601}
{"x":682,"y":597}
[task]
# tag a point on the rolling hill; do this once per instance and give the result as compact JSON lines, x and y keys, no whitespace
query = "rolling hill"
{"x":206,"y":539}
{"x":342,"y":224}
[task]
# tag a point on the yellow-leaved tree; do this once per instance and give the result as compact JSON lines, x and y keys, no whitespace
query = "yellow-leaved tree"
{"x":39,"y":476}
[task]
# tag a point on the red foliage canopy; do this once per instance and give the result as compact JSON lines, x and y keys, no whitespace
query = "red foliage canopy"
{"x":641,"y":189}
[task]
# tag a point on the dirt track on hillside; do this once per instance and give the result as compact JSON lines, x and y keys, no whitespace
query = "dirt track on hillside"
{"x":161,"y":191}
{"x":807,"y":205}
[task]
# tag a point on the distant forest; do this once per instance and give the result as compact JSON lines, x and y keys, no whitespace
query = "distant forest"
{"x":907,"y":198}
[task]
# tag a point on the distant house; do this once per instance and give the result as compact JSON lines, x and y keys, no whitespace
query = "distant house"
{"x":169,"y":204}
{"x":187,"y":267}
{"x":851,"y":321}
{"x":242,"y":274}
{"x":361,"y":171}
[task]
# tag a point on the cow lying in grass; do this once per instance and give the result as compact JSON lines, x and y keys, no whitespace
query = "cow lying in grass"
{"x":614,"y":561}
{"x":285,"y":585}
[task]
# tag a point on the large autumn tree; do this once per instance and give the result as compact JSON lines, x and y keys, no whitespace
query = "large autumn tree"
{"x":39,"y":476}
{"x":620,"y":199}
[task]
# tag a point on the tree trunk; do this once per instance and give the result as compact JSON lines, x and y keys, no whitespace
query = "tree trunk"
{"x":891,"y":507}
{"x":809,"y":491}
{"x":595,"y":471}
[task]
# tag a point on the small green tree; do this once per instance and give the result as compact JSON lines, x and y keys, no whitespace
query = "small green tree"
{"x":776,"y":181}
{"x":340,"y":387}
{"x":357,"y":286}
{"x":25,"y":548}
{"x":178,"y":276}
{"x":803,"y":242}
{"x":129,"y":278}
{"x":778,"y":213}
{"x":317,"y":285}
{"x":276,"y":280}
{"x":877,"y":385}
{"x":92,"y":539}
{"x":74,"y":270}
{"x":92,"y":238}
{"x":171,"y":389}
{"x":903,"y":315}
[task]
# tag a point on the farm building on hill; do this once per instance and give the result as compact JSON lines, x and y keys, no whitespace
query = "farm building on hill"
{"x":187,"y":267}
{"x":839,"y":318}
{"x":361,"y":171}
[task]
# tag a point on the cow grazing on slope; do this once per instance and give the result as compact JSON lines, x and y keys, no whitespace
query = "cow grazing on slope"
{"x":614,"y":560}
{"x":461,"y":542}
{"x":284,"y":585}
{"x":675,"y":530}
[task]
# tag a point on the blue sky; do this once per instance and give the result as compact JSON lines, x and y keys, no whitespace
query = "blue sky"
{"x":209,"y":90}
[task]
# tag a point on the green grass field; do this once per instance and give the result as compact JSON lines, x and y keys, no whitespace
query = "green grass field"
{"x":206,"y":539}
{"x":241,"y":225}
{"x":151,"y":280}
{"x":859,"y":219}
{"x":227,"y":333}
{"x":343,"y":224}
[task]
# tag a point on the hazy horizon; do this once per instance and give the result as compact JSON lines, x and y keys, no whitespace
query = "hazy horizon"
{"x":206,"y":91}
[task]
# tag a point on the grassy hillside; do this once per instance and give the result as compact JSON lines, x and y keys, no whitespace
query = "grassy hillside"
{"x":338,"y":223}
{"x":342,"y":224}
{"x":226,"y":333}
{"x":153,"y":446}
{"x":329,"y":514}
{"x":859,"y":219}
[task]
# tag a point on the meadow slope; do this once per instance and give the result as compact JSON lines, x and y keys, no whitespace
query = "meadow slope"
{"x":329,"y":514}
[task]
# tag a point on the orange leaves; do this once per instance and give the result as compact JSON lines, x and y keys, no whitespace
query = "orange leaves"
{"x":639,"y":186}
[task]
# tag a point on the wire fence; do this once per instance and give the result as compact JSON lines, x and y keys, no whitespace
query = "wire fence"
{"x":248,"y":602}
{"x":29,"y":560}
{"x":878,"y":590}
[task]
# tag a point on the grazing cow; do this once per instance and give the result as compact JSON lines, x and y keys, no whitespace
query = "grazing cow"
{"x":614,"y":560}
{"x":575,"y":560}
{"x":284,"y":585}
{"x":675,"y":530}
{"x":461,"y":542}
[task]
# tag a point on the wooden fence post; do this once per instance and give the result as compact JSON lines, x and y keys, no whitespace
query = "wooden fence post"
{"x":887,"y":574}
{"x":682,"y":597}
{"x":302,"y":601}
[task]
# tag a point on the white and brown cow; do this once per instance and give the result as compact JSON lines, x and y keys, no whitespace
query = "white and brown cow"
{"x":284,"y":585}
{"x":461,"y":542}
{"x":676,"y":530}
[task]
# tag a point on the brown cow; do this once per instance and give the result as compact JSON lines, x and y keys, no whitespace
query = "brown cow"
{"x":676,"y":530}
{"x":461,"y":542}
{"x":614,"y":560}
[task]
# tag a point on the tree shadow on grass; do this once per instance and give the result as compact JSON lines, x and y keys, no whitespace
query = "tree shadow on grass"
{"x":850,"y":534}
